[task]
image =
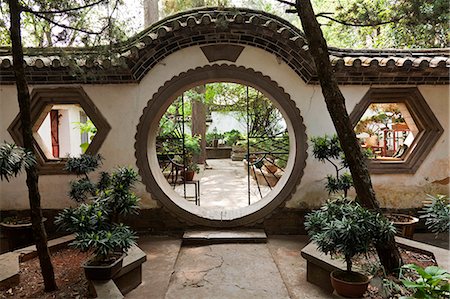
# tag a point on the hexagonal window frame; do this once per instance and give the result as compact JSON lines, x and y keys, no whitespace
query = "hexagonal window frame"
{"x":41,"y":98}
{"x":429,"y":127}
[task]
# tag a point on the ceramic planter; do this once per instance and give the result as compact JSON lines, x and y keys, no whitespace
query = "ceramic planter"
{"x":405,"y":224}
{"x":18,"y":235}
{"x":349,"y":284}
{"x":102,"y":272}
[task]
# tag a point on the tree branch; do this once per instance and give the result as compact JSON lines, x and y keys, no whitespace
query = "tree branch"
{"x":70,"y":27}
{"x":287,"y":2}
{"x":27,"y":9}
{"x":342,"y":22}
{"x":324,"y":15}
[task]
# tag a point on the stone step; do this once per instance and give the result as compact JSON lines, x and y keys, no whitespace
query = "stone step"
{"x":204,"y":237}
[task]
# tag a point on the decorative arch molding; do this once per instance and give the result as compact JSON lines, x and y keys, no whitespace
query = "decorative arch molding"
{"x":145,"y":146}
{"x":131,"y":60}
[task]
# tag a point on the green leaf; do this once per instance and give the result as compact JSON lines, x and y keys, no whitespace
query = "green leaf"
{"x":411,"y":284}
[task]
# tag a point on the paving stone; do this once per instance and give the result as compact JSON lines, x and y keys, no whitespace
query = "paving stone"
{"x":285,"y":251}
{"x":226,"y":271}
{"x":161,"y":254}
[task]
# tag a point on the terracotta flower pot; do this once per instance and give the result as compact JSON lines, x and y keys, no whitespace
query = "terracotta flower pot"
{"x":349,"y":284}
{"x":101,"y":271}
{"x":188,"y":175}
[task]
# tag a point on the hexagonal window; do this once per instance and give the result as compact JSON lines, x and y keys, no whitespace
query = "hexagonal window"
{"x":65,"y":122}
{"x":64,"y":130}
{"x":397,"y":127}
{"x":387,"y":131}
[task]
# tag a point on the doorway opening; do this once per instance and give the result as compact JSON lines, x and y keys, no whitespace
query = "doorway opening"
{"x":165,"y":180}
{"x":223,"y":145}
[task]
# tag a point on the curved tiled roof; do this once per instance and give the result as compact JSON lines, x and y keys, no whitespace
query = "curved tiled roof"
{"x":134,"y":58}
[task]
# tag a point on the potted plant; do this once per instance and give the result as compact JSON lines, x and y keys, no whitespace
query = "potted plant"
{"x":96,"y":224}
{"x":231,"y":137}
{"x":328,"y":148}
{"x":192,"y":149}
{"x":343,"y":228}
{"x":436,"y":213}
{"x":215,"y":137}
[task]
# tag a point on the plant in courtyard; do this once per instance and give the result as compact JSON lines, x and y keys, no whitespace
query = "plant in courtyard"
{"x":83,"y":187}
{"x":96,"y":224}
{"x":191,"y":146}
{"x":231,"y":137}
{"x":212,"y":138}
{"x":88,"y":128}
{"x":433,"y":282}
{"x":437,"y":213}
{"x":13,"y":159}
{"x":343,"y":227}
{"x":328,"y":148}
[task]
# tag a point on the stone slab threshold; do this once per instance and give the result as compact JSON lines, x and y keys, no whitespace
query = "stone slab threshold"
{"x":319,"y":265}
{"x":204,"y":237}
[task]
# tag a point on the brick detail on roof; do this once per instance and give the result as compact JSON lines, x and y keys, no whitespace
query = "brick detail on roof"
{"x":209,"y":26}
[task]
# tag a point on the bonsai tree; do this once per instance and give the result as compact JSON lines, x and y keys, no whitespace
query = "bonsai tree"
{"x":343,"y":227}
{"x":96,"y":223}
{"x":328,"y":148}
{"x":83,"y":187}
{"x":437,"y":213}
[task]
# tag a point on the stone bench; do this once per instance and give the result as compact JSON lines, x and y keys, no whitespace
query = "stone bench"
{"x":128,"y":278}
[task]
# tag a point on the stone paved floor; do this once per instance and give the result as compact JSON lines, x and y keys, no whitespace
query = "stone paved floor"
{"x":273,"y":270}
{"x":224,"y":185}
{"x":245,"y":271}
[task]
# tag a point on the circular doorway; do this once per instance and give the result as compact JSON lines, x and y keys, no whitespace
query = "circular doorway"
{"x":149,"y":160}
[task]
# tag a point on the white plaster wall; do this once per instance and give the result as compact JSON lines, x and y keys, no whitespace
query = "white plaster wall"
{"x":122,"y":106}
{"x":45,"y":132}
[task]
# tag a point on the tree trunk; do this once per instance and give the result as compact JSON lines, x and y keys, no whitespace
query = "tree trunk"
{"x":151,"y":12}
{"x":27,"y":135}
{"x":199,"y":123}
{"x":388,"y":252}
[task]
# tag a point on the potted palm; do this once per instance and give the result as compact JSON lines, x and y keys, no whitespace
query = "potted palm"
{"x":343,"y":228}
{"x":96,"y":221}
